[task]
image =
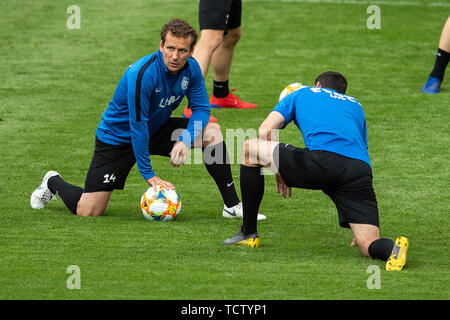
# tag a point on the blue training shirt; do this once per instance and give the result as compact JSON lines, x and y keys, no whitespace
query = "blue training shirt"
{"x":328,"y":121}
{"x":145,"y":98}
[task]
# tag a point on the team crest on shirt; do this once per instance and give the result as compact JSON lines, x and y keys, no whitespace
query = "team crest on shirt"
{"x":184,"y":83}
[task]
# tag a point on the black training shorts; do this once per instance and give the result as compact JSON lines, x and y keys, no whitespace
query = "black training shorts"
{"x":111,"y":164}
{"x":347,"y":181}
{"x":219,"y":14}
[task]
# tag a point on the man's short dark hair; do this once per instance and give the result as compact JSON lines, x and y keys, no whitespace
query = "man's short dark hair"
{"x":333,"y":80}
{"x":180,"y":29}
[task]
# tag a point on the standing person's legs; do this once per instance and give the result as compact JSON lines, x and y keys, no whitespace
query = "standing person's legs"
{"x":433,"y":84}
{"x":443,"y":54}
{"x":213,"y":19}
{"x":222,"y":57}
{"x":212,"y":16}
{"x":209,"y":41}
{"x":444,"y":41}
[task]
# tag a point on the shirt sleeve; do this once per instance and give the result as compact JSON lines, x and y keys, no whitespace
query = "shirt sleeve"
{"x":287,"y":108}
{"x":138,"y":96}
{"x":199,"y":104}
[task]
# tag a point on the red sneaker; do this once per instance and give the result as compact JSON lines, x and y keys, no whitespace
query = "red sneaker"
{"x":230,"y":101}
{"x":188,"y":113}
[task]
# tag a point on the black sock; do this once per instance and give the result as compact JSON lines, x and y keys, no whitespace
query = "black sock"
{"x":221,"y":89}
{"x":217,"y":163}
{"x":69,"y":194}
{"x":252,"y":191}
{"x":442,"y":58}
{"x":381,"y":249}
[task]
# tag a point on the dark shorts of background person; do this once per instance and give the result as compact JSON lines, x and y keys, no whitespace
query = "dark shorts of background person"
{"x":347,"y":181}
{"x":220,"y":14}
{"x":111,"y":164}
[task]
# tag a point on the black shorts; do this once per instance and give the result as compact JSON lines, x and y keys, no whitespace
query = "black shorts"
{"x":219,"y":14}
{"x":347,"y":181}
{"x":111,"y":164}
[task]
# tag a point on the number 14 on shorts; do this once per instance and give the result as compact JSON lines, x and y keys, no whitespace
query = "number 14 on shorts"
{"x":109,"y":178}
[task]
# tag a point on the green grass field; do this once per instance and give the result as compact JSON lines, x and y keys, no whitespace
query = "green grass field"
{"x":56,"y":83}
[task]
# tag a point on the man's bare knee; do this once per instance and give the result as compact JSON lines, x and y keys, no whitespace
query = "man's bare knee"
{"x":212,"y":134}
{"x":93,"y":204}
{"x":364,"y":235}
{"x":233,"y":36}
{"x":89,"y":211}
{"x":211,"y":39}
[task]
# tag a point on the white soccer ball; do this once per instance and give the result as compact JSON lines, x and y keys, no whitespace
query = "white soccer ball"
{"x":160,"y":205}
{"x":290,"y":88}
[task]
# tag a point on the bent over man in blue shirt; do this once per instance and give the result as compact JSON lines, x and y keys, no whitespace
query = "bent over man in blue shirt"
{"x":137,"y":124}
{"x":335,"y":160}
